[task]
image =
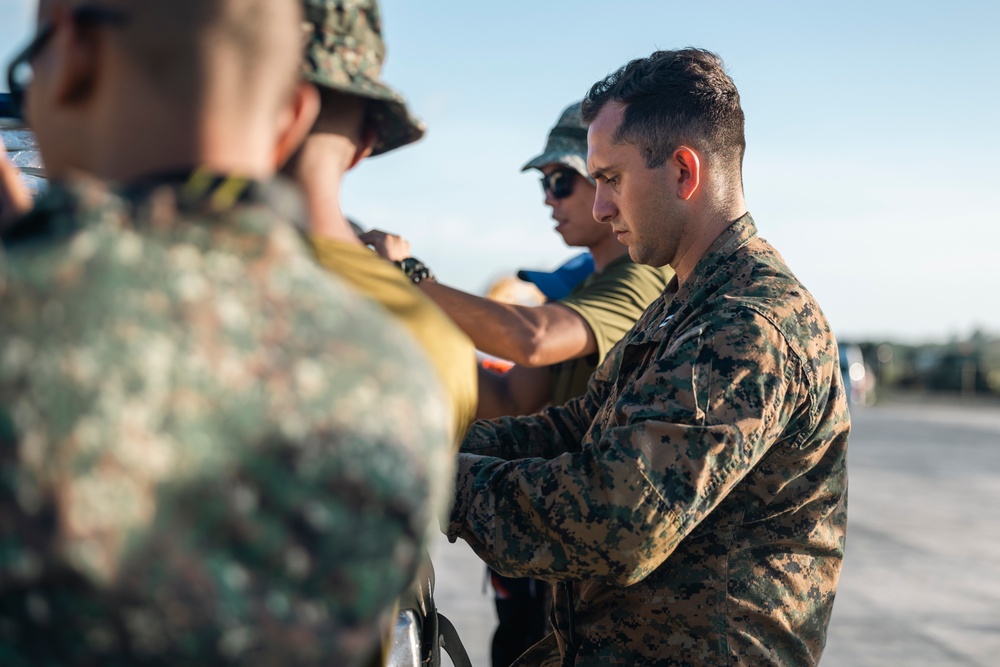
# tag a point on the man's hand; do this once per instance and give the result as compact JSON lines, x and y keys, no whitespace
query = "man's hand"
{"x":393,"y":248}
{"x":15,"y":199}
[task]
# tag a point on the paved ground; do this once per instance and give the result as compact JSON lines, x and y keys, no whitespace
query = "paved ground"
{"x":921,"y":582}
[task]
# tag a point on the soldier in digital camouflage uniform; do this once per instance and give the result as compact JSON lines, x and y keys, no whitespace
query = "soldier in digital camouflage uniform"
{"x":691,"y":507}
{"x":212,"y":451}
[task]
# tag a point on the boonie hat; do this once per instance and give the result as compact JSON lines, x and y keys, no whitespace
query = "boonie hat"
{"x":567,"y":144}
{"x":345,"y":51}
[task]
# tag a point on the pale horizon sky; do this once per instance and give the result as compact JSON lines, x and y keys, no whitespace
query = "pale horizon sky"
{"x":872,"y":140}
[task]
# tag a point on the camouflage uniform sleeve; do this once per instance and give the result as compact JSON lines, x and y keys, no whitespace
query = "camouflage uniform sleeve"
{"x":679,"y":438}
{"x":553,"y":431}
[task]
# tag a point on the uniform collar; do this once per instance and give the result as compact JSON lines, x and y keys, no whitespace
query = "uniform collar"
{"x":198,"y":192}
{"x":734,"y":237}
{"x":678,"y":300}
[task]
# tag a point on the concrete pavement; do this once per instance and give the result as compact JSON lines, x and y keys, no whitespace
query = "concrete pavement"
{"x":921,"y":579}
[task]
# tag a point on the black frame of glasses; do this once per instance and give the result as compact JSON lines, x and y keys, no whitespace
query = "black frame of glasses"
{"x":84,"y":15}
{"x":560,"y":182}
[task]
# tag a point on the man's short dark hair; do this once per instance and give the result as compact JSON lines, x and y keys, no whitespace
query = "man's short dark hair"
{"x":675,"y":98}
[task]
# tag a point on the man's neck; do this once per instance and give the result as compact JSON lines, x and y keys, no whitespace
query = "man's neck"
{"x":153,"y":134}
{"x":320,"y":173}
{"x":326,"y":219}
{"x":126,"y":150}
{"x":606,"y":252}
{"x":702,"y":234}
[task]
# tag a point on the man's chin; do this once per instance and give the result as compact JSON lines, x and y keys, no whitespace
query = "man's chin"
{"x":568,"y":239}
{"x":639,"y":255}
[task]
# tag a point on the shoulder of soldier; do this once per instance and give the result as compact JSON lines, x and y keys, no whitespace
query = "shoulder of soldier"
{"x":764,"y":293}
{"x":769,"y":282}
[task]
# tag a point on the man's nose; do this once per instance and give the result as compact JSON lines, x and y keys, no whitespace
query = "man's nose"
{"x":604,"y":208}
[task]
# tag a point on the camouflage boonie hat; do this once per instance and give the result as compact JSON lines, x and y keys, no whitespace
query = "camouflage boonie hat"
{"x":344,"y":51}
{"x":567,"y":144}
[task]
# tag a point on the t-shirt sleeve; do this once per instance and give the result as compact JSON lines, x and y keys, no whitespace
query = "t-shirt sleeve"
{"x":614,"y":299}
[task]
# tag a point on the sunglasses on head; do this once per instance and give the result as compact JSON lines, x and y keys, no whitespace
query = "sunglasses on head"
{"x":19,"y":72}
{"x":559,"y":183}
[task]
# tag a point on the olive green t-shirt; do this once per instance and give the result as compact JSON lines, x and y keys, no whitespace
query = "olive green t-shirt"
{"x":450,"y":351}
{"x":609,"y":302}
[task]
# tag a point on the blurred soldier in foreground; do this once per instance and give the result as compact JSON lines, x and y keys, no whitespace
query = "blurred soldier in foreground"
{"x":212,"y":451}
{"x":692,"y":505}
{"x":361,"y":116}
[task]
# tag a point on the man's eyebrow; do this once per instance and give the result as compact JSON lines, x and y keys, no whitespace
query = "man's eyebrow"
{"x":600,"y":173}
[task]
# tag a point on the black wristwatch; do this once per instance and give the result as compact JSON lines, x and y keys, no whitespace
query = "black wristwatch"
{"x":415,"y":270}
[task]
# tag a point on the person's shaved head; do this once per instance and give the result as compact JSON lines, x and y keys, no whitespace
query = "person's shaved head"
{"x":134,"y":87}
{"x":178,"y":44}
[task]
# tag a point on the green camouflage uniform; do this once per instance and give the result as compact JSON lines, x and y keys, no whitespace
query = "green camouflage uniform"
{"x":212,"y":451}
{"x":692,"y":505}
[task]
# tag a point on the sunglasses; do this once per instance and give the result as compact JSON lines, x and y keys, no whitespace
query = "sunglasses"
{"x":20,"y":73}
{"x":559,"y":183}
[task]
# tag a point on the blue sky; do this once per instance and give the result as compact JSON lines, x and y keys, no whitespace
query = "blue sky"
{"x":872,"y":134}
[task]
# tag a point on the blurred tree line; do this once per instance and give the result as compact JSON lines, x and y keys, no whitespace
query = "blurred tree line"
{"x":966,"y":367}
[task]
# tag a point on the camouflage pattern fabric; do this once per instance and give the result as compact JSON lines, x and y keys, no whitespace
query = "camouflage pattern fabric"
{"x":566,"y":145}
{"x":211,"y":451}
{"x":692,"y":505}
{"x":345,"y":52}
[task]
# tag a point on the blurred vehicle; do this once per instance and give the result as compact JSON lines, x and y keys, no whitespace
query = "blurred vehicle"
{"x":21,"y":148}
{"x":859,"y":379}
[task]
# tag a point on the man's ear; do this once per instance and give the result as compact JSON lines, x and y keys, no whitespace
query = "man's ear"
{"x":687,"y":166}
{"x":366,"y":145}
{"x":296,"y":122}
{"x":74,"y":62}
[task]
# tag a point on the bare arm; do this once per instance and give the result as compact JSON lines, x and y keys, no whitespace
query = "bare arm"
{"x":15,"y":200}
{"x":519,"y":391}
{"x":528,"y":336}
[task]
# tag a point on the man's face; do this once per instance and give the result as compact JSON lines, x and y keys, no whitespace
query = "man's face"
{"x":635,"y":200}
{"x":575,"y":213}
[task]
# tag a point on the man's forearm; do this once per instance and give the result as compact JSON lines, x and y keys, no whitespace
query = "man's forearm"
{"x":495,"y":328}
{"x":528,"y":336}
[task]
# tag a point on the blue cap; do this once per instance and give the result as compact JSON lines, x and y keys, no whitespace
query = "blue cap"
{"x":559,"y":283}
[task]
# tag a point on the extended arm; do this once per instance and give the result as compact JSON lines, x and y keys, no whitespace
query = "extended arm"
{"x":528,"y":336}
